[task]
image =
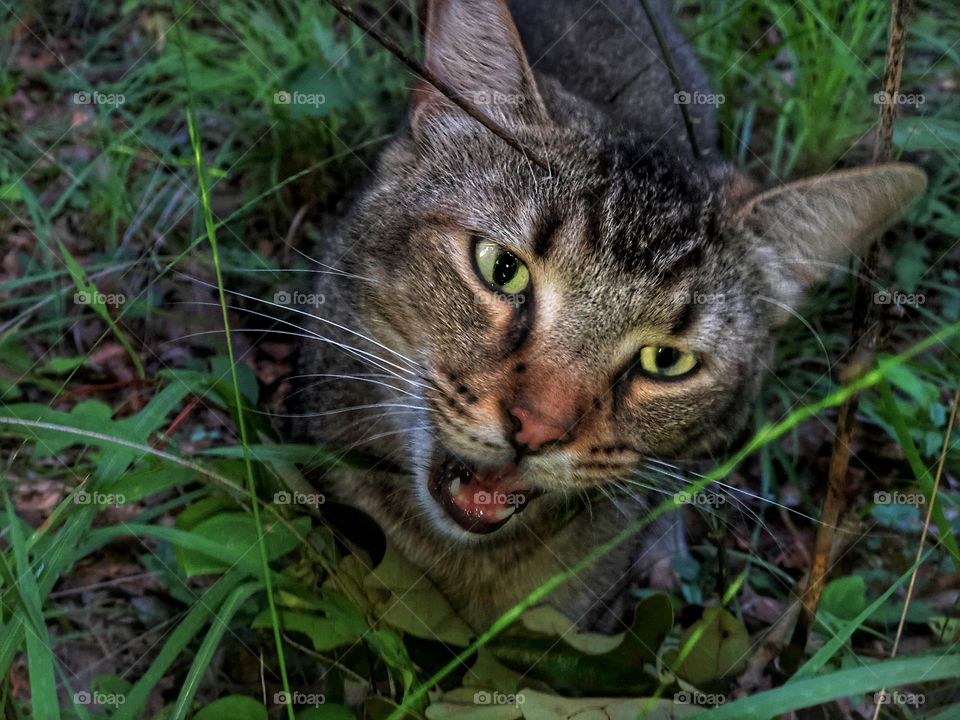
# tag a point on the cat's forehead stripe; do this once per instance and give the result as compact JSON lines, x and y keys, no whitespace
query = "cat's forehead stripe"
{"x":546,"y":232}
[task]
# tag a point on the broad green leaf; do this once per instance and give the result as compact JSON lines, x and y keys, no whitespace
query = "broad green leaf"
{"x":10,"y":192}
{"x":236,"y":534}
{"x":911,"y":263}
{"x":154,"y":478}
{"x":326,"y":633}
{"x":927,"y":133}
{"x":947,"y":628}
{"x":833,"y":645}
{"x":388,"y":645}
{"x":404,"y":597}
{"x":327,"y":711}
{"x":233,"y":707}
{"x":152,"y":417}
{"x":845,"y":597}
{"x":588,"y":663}
{"x":204,"y":510}
{"x":244,"y":562}
{"x":61,"y":365}
{"x":917,"y":465}
{"x":528,"y":704}
{"x":713,"y":648}
{"x":488,"y":672}
{"x":547,"y":620}
{"x":111,"y":684}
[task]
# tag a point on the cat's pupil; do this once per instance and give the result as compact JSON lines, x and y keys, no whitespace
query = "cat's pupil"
{"x":667,"y":357}
{"x":505,"y":267}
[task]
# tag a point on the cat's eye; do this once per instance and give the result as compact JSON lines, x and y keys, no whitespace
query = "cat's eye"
{"x":500,"y":269}
{"x":659,"y":361}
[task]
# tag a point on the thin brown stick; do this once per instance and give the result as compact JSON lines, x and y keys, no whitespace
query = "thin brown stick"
{"x":923,"y":535}
{"x":442,"y":87}
{"x":674,"y":78}
{"x":863,"y":338}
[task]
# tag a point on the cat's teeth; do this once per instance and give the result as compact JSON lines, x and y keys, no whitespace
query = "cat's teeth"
{"x":455,"y":486}
{"x":502,"y":513}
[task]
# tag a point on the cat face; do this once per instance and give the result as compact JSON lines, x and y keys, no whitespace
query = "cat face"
{"x":567,"y":325}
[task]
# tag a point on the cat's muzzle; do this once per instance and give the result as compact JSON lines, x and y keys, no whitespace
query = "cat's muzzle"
{"x":481,"y":500}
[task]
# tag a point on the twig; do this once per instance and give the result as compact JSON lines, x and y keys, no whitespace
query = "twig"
{"x":863,"y":340}
{"x":674,"y":78}
{"x":923,"y":535}
{"x":446,"y":90}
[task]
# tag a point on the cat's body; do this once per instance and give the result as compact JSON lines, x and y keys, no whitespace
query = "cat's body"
{"x":544,"y":394}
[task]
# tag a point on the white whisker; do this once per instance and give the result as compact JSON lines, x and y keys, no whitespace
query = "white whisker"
{"x":367,"y":377}
{"x":321,"y":319}
{"x":355,"y":352}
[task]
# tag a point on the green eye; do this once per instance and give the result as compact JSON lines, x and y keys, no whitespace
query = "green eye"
{"x":666,"y":362}
{"x":500,"y":268}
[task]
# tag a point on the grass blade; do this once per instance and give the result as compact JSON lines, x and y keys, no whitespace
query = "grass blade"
{"x":241,"y":422}
{"x":202,"y":659}
{"x":136,"y":699}
{"x":40,"y":655}
{"x":920,"y":471}
{"x":833,"y":645}
{"x":843,"y":683}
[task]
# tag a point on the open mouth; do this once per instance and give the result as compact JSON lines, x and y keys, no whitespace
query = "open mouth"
{"x":480,"y":500}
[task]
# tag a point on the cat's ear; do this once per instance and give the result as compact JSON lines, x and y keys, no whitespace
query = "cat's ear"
{"x":474,"y":47}
{"x":801,"y":231}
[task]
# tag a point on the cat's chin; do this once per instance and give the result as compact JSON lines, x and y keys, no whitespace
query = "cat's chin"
{"x":480,"y":500}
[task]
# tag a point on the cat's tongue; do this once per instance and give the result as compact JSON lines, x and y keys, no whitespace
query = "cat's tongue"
{"x":492,"y":494}
{"x":479,"y":499}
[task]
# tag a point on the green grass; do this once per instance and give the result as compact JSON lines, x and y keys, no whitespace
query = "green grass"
{"x":151,"y":446}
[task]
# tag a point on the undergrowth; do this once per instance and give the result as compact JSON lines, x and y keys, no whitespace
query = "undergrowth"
{"x":164,"y":554}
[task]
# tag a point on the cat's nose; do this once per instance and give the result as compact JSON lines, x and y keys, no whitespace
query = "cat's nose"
{"x":537,"y":430}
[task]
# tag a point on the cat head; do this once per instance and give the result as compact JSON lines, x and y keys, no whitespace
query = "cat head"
{"x":569,"y":324}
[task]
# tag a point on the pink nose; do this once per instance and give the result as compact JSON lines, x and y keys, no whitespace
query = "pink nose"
{"x":536,"y":430}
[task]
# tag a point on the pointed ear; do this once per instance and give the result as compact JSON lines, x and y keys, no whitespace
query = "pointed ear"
{"x":800,"y":231}
{"x":474,"y":47}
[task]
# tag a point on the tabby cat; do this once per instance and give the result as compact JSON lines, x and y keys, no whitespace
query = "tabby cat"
{"x":514,"y":342}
